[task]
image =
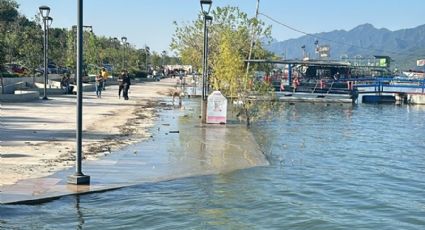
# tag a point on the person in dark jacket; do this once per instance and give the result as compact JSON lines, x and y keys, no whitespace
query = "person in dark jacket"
{"x":127,"y":83}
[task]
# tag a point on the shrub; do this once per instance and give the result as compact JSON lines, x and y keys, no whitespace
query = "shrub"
{"x":9,"y":75}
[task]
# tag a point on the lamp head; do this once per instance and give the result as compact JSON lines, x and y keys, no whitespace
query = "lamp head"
{"x":124,"y":40}
{"x":206,"y":6}
{"x":49,"y":21}
{"x":44,"y":11}
{"x":208,"y":19}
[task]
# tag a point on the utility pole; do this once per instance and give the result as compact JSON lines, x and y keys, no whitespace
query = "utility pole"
{"x":252,"y":38}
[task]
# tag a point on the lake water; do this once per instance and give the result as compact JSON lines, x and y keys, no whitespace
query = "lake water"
{"x":331,"y":167}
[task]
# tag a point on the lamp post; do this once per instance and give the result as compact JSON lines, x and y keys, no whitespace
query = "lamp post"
{"x":147,"y":51}
{"x":164,"y":53}
{"x":78,"y":177}
{"x":205,"y":7}
{"x":44,"y":12}
{"x":124,"y":43}
{"x":114,"y":42}
{"x":48,"y":24}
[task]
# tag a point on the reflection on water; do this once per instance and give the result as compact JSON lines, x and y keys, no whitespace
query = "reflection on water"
{"x":79,"y":213}
{"x":332,"y":167}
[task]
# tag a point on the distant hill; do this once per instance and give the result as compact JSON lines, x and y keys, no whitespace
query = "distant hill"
{"x":403,"y":46}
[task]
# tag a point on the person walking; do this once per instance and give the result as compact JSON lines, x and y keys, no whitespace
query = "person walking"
{"x":99,"y":84}
{"x":105,"y":76}
{"x":127,"y":83}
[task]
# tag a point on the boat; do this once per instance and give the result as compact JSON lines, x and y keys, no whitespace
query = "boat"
{"x":414,"y":74}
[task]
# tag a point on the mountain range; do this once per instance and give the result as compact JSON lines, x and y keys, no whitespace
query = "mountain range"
{"x":404,"y":46}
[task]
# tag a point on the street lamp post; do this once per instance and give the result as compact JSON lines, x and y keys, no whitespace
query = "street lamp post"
{"x":124,"y":43}
{"x":44,"y":12}
{"x":205,"y":7}
{"x":147,"y":51}
{"x":78,"y":177}
{"x":114,"y":42}
{"x":164,"y":53}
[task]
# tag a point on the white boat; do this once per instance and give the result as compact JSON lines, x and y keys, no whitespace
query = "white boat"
{"x":414,"y":74}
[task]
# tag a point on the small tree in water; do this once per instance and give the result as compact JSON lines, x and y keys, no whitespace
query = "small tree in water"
{"x":229,"y":43}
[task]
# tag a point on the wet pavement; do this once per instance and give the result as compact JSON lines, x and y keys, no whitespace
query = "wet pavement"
{"x":179,"y":147}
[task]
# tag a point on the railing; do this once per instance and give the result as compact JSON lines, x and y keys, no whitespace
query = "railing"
{"x":391,"y":85}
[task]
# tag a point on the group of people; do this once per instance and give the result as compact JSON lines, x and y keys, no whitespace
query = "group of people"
{"x":100,"y":83}
{"x":123,"y":83}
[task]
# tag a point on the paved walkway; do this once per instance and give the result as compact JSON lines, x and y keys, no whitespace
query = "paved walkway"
{"x":179,"y":147}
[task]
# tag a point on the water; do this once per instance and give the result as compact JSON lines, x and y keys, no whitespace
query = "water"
{"x":332,"y":167}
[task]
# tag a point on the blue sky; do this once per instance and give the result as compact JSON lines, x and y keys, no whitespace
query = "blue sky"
{"x":150,"y":21}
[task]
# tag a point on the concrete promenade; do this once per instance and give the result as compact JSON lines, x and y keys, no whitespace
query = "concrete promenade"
{"x":177,"y":146}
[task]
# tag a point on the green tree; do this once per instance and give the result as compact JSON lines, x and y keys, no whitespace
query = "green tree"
{"x":31,"y":46}
{"x":229,"y":43}
{"x":156,"y":59}
{"x":228,"y":65}
{"x":8,"y":15}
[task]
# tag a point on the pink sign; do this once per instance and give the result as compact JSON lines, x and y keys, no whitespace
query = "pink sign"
{"x":216,"y":108}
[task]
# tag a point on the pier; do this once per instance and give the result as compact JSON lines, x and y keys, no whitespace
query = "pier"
{"x":391,"y":90}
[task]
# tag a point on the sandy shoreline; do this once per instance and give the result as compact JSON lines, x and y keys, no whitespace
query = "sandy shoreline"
{"x":38,"y":139}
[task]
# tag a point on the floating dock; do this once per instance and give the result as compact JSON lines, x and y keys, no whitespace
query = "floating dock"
{"x":314,"y":97}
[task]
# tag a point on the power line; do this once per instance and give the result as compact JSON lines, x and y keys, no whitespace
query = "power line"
{"x":326,"y":39}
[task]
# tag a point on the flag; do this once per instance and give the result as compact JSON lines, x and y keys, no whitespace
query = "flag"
{"x":420,"y":62}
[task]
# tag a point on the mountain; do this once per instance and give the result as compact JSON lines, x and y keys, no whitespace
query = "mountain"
{"x":403,"y":46}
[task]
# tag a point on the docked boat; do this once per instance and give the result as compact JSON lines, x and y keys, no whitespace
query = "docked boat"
{"x":414,"y":74}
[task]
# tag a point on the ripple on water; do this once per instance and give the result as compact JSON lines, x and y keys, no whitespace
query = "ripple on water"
{"x":331,"y":167}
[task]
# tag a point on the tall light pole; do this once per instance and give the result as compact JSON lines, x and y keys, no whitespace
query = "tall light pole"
{"x":49,"y":23}
{"x":44,"y":12}
{"x":112,"y":61}
{"x":147,"y":51}
{"x":205,"y":7}
{"x":251,"y":46}
{"x":304,"y":52}
{"x":116,"y":44}
{"x":164,"y":53}
{"x":78,"y":177}
{"x":124,"y":43}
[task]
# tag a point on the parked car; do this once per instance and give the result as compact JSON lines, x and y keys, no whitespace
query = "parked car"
{"x":108,"y":67}
{"x":16,"y":68}
{"x":51,"y":69}
{"x":63,"y":70}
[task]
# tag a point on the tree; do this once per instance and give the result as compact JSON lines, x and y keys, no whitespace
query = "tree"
{"x":8,"y":14}
{"x":228,"y":65}
{"x":229,"y":43}
{"x":23,"y":43}
{"x":31,"y":46}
